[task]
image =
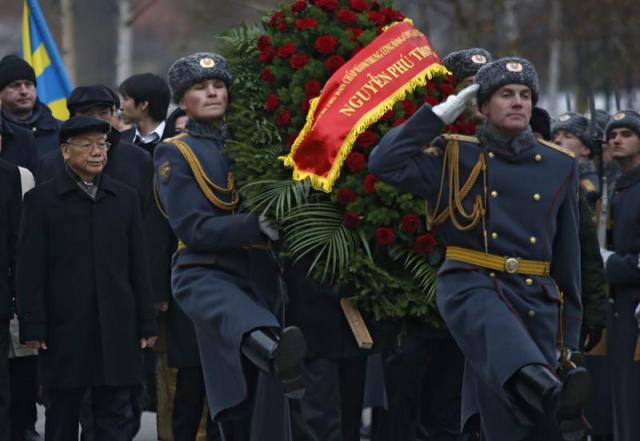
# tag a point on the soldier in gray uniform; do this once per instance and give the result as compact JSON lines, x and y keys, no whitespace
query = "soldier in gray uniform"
{"x":506,"y":207}
{"x":224,"y":275}
{"x":622,"y":266}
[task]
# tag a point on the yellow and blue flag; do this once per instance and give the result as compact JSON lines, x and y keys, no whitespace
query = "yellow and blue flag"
{"x":39,"y":50}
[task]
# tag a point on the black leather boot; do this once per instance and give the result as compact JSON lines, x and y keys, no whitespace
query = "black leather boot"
{"x":279,"y":355}
{"x":538,"y":389}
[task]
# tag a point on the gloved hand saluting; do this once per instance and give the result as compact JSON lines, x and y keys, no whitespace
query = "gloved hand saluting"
{"x":453,"y":106}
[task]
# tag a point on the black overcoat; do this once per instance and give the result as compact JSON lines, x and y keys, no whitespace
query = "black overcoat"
{"x":83,"y":284}
{"x":10,"y":201}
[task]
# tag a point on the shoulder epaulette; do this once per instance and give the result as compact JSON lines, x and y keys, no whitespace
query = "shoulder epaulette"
{"x":176,"y":138}
{"x":463,"y":138}
{"x":557,"y":147}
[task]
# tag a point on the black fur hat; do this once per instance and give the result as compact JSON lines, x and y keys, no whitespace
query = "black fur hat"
{"x":503,"y":71}
{"x":466,"y":62}
{"x":189,"y":70}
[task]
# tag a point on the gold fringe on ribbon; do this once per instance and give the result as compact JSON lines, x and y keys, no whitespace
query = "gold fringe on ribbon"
{"x":326,"y":183}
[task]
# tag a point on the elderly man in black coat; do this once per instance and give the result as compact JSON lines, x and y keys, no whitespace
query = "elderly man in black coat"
{"x":10,"y":201}
{"x":83,"y":290}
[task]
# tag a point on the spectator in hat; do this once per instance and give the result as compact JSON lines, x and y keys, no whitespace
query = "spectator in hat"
{"x":144,"y":104}
{"x":22,"y":108}
{"x":83,"y":291}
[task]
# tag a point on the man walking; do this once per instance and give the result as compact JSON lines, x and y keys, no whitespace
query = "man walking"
{"x":509,"y":289}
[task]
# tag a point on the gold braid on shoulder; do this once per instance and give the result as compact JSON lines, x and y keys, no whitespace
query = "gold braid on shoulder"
{"x":454,"y":207}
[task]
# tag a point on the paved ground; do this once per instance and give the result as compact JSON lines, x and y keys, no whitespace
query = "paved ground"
{"x":147,"y":431}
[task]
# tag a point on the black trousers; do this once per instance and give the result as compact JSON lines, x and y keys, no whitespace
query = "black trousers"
{"x":332,"y":404}
{"x":24,"y":393}
{"x":5,"y":418}
{"x":188,"y":405}
{"x":111,"y":407}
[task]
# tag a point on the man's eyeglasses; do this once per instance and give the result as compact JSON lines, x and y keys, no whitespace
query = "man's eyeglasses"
{"x":89,"y":145}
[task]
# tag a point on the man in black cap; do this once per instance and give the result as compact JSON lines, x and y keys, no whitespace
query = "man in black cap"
{"x":622,"y":265}
{"x":88,"y":311}
{"x":21,"y":107}
{"x":130,"y":165}
{"x":509,"y":288}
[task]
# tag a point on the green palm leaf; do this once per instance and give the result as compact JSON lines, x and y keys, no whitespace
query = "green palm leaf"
{"x":275,"y":197}
{"x":417,"y":264}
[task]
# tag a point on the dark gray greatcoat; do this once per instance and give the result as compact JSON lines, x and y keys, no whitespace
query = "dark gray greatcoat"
{"x":501,"y":321}
{"x":83,"y":284}
{"x":624,"y":278}
{"x":224,"y":279}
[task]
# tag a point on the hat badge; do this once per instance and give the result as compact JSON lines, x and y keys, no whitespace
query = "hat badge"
{"x":565,"y":118}
{"x":514,"y":67}
{"x":479,"y":59}
{"x":207,"y":62}
{"x":618,"y":116}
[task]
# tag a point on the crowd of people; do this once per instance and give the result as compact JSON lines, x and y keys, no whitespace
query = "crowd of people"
{"x":134,"y":280}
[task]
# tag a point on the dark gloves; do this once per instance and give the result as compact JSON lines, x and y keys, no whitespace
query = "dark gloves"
{"x":591,"y":337}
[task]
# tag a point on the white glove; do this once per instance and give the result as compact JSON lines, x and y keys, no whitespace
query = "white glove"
{"x":605,"y":255}
{"x":268,"y":228}
{"x":451,"y":109}
{"x":637,"y":314}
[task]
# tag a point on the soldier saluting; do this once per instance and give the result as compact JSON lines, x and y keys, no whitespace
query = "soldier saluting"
{"x":509,"y":290}
{"x":224,"y":275}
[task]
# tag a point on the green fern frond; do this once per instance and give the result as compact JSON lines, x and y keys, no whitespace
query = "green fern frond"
{"x":275,"y":197}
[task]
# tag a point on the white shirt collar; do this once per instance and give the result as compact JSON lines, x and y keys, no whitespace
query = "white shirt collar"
{"x":154,"y":135}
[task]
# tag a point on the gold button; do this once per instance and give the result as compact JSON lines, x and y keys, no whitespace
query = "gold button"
{"x":491,"y":155}
{"x":531,"y":313}
{"x":538,"y":157}
{"x":494,"y":236}
{"x":492,"y":275}
{"x":494,"y":194}
{"x":532,"y":239}
{"x":528,"y":281}
{"x":536,"y":197}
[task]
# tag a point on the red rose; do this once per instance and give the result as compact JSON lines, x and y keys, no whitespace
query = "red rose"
{"x":283,"y":119}
{"x":345,"y":196}
{"x":471,"y":128}
{"x":298,"y":61}
{"x":385,"y":236}
{"x":391,"y":14}
{"x":369,"y":184}
{"x":346,"y":16}
{"x":313,"y":87}
{"x":355,"y":33}
{"x":431,"y":88}
{"x":367,"y":139}
{"x":266,"y":75}
{"x":425,"y":243}
{"x":272,"y":103}
{"x":266,"y":54}
{"x":327,"y":5}
{"x":305,"y":103}
{"x":351,"y":219}
{"x":355,"y":161}
{"x":359,"y":5}
{"x":333,"y":63}
{"x":306,"y":23}
{"x":431,"y":100}
{"x":387,"y":115}
{"x":409,"y":108}
{"x":445,"y":89}
{"x":451,"y":129}
{"x":263,"y":42}
{"x":292,"y":138}
{"x":398,"y":121}
{"x":286,"y":50}
{"x":277,"y":17}
{"x":377,"y":18}
{"x":298,"y":6}
{"x":410,"y":223}
{"x":282,"y":25}
{"x":326,"y":44}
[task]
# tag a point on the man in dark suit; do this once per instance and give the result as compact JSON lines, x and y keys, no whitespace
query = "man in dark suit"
{"x":83,"y":290}
{"x":10,"y":201}
{"x":145,"y":100}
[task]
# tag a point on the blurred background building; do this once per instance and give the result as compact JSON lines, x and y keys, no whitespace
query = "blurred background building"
{"x":578,"y":46}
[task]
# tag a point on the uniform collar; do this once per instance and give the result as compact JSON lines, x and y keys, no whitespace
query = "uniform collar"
{"x":204,"y":130}
{"x":628,"y":179}
{"x":509,"y":146}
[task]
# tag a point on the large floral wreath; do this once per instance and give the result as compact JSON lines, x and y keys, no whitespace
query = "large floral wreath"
{"x":365,"y":237}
